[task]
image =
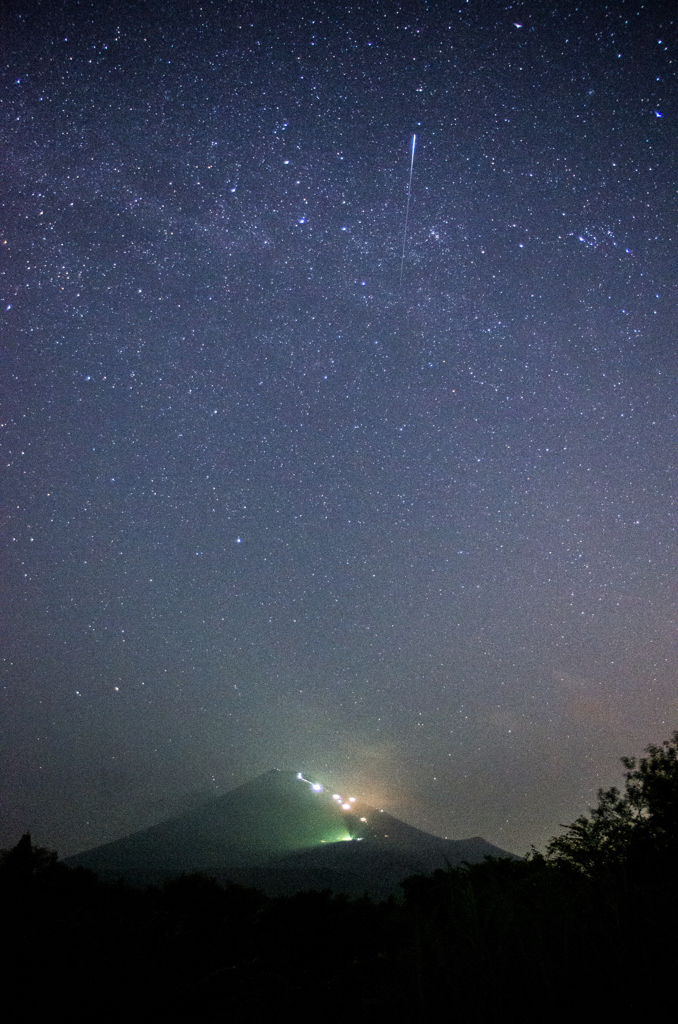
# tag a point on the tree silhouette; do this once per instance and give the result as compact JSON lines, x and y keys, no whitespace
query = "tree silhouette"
{"x":628,"y":829}
{"x":25,"y":861}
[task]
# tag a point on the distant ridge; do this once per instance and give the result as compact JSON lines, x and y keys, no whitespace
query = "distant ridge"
{"x":282,"y":835}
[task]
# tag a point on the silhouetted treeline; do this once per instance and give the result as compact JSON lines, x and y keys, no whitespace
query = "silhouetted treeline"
{"x":587,"y":932}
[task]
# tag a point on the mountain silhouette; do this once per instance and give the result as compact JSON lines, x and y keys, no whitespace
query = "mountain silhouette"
{"x":282,"y":834}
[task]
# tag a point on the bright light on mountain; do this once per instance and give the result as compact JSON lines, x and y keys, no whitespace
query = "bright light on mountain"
{"x":315,"y":786}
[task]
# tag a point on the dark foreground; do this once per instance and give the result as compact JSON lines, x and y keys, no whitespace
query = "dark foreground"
{"x":502,"y":940}
{"x":587,"y":933}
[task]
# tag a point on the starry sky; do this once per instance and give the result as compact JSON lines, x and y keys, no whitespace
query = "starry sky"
{"x":265,"y":504}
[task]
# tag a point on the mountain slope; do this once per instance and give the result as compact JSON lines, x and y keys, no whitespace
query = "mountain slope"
{"x":281,"y":834}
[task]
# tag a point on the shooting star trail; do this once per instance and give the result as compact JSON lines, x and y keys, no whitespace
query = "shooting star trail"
{"x":407,"y":211}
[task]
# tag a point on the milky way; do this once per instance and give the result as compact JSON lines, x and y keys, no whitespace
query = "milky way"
{"x":264,"y":506}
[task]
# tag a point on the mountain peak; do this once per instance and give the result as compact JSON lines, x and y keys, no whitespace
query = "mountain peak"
{"x":250,"y":833}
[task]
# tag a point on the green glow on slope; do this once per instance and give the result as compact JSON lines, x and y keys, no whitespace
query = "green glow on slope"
{"x":345,"y":838}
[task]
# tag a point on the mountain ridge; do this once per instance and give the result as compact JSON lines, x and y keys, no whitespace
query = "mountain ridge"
{"x":282,"y":833}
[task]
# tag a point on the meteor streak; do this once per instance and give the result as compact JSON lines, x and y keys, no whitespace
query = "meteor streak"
{"x":407,"y":211}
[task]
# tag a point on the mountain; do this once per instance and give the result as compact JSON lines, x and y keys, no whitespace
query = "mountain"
{"x":282,"y":834}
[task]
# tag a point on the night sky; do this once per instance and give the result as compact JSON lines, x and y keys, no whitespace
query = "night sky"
{"x":264,"y":505}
